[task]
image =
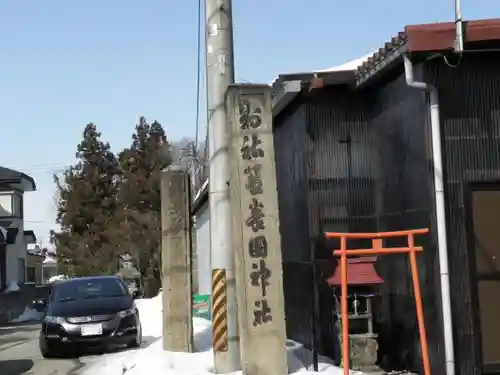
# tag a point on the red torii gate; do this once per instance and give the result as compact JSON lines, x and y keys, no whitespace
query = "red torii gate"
{"x":378,"y":249}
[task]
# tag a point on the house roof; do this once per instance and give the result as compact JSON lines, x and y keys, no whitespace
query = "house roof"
{"x":285,"y":82}
{"x":415,"y":39}
{"x":49,"y":260}
{"x":288,"y":86}
{"x":347,"y":66}
{"x":428,"y":38}
{"x":35,"y":254}
{"x":31,"y":234}
{"x":200,"y":198}
{"x":425,"y":38}
{"x":19,"y":179}
{"x":200,"y":192}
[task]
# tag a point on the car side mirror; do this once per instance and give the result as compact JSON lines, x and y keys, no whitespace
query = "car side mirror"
{"x":135,"y":294}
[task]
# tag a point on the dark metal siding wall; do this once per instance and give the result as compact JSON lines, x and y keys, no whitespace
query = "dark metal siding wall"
{"x":339,"y":168}
{"x":470,"y":115}
{"x":357,"y":162}
{"x":289,"y":141}
{"x":398,"y":118}
{"x":369,"y":170}
{"x":362,"y":162}
{"x":339,"y":189}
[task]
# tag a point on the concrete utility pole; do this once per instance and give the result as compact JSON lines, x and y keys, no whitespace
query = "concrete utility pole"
{"x":220,"y":73}
{"x":257,"y":240}
{"x":176,"y":261}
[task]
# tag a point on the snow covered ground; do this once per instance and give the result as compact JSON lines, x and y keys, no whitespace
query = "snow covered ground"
{"x":152,"y":360}
{"x":12,"y":287}
{"x":28,"y":315}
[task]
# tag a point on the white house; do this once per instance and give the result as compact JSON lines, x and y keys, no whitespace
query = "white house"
{"x":49,"y":268}
{"x":13,"y":248}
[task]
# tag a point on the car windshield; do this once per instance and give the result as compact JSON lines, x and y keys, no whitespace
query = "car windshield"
{"x":84,"y":289}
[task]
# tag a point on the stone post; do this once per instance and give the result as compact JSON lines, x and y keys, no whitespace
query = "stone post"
{"x":257,"y":242}
{"x":176,"y":261}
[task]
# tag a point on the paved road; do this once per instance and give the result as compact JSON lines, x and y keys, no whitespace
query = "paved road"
{"x":19,"y":354}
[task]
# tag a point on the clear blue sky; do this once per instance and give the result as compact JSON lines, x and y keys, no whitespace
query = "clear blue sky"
{"x":65,"y":63}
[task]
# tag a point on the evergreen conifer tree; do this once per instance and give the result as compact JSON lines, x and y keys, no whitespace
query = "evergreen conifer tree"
{"x":90,"y":241}
{"x":141,"y":166}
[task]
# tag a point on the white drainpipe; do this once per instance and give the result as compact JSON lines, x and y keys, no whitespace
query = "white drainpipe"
{"x":440,"y":212}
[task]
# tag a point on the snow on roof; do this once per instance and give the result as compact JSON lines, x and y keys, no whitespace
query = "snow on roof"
{"x":49,"y":260}
{"x":349,"y":65}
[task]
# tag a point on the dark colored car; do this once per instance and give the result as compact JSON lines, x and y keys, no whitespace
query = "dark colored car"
{"x":89,"y":311}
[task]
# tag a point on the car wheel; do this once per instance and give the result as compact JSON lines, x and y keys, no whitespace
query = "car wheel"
{"x":48,"y":350}
{"x":136,"y":342}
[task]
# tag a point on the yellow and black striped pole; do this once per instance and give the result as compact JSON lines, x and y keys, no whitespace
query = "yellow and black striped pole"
{"x":219,"y":310}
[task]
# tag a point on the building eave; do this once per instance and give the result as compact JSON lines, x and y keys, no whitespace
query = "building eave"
{"x":31,"y":235}
{"x":434,"y":38}
{"x":16,"y":179}
{"x":284,"y":93}
{"x":200,"y":198}
{"x":286,"y":88}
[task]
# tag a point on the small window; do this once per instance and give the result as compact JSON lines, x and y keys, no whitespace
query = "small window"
{"x":30,"y":274}
{"x":11,"y":204}
{"x":6,"y":204}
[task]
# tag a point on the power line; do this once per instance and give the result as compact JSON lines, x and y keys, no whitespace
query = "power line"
{"x":54,"y":168}
{"x":40,"y":168}
{"x":35,"y":165}
{"x":205,"y":157}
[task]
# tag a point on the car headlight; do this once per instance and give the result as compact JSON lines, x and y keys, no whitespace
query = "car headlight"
{"x":125,"y":313}
{"x":53,"y":319}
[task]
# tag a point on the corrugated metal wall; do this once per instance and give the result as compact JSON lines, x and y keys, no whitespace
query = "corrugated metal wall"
{"x":369,"y":170}
{"x":362,"y":162}
{"x":399,"y":129}
{"x":470,"y":113}
{"x":289,"y":142}
{"x":339,"y":167}
{"x":339,"y":190}
{"x":365,"y":160}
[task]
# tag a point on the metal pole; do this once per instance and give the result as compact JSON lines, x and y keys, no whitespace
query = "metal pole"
{"x":220,"y":73}
{"x":459,"y":37}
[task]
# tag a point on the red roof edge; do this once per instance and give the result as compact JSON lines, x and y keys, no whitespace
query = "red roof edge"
{"x":441,"y":36}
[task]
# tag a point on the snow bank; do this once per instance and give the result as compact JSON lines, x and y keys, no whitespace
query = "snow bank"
{"x":152,"y":360}
{"x":150,"y":312}
{"x":28,"y":315}
{"x":55,"y":278}
{"x":12,"y":287}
